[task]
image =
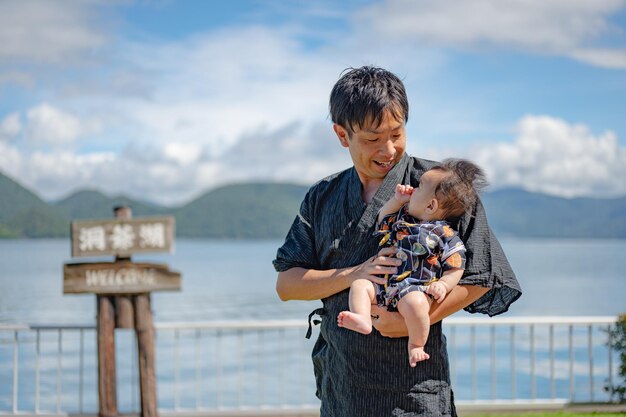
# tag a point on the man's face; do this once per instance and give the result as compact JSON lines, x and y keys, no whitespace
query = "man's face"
{"x":375,"y":150}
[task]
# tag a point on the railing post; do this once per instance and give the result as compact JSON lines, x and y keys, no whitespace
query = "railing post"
{"x":572,"y":376}
{"x":15,"y":370}
{"x":262,"y":368}
{"x":513,"y":372}
{"x":37,"y":361}
{"x":610,"y":355}
{"x":551,"y":342}
{"x":176,"y":369}
{"x":81,"y":371}
{"x":590,"y":331}
{"x":218,"y":364}
{"x":533,"y":387}
{"x":198,"y":370}
{"x":473,"y":359}
{"x":281,"y":372}
{"x":493,"y":362}
{"x":59,"y":367}
{"x":241,"y":357}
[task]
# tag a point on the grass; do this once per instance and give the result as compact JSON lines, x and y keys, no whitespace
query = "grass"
{"x":550,"y":414}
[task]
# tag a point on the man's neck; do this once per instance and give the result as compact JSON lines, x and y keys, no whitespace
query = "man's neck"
{"x":370,"y":186}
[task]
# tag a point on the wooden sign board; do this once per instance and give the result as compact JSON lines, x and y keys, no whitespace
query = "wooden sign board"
{"x":122,"y":237}
{"x":118,"y":278}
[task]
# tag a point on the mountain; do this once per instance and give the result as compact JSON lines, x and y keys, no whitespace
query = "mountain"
{"x":92,"y":204}
{"x":263,"y":210}
{"x":514,"y":212}
{"x":24,"y":214}
{"x":266,"y":210}
{"x":253,"y":210}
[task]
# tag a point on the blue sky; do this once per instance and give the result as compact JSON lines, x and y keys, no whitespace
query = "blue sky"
{"x":163,"y":100}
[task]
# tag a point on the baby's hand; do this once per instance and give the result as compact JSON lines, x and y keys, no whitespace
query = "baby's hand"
{"x":403,"y":193}
{"x":438,"y":290}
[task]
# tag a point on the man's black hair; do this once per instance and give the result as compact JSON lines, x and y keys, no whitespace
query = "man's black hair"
{"x":363,"y":95}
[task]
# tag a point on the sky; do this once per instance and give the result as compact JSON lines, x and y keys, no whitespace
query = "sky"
{"x":165,"y":100}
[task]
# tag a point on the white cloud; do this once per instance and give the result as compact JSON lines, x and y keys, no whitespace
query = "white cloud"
{"x":225,"y":106}
{"x":48,"y":124}
{"x":548,"y":155}
{"x":602,"y":57}
{"x":554,"y":157}
{"x":251,"y":102}
{"x":45,"y":32}
{"x":214,"y":88}
{"x":10,"y":126}
{"x":183,"y":153}
{"x":565,"y":27}
{"x":177,"y":172}
{"x":10,"y":160}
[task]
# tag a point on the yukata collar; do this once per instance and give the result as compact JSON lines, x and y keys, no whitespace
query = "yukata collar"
{"x":384,"y":193}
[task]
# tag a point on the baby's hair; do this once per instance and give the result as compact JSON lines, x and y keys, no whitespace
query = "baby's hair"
{"x":458,"y":191}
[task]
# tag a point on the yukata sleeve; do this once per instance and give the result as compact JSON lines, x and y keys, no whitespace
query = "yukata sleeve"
{"x":486,"y":265}
{"x":298,"y":250}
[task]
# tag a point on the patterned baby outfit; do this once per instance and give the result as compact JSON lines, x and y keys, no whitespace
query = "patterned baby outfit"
{"x":427,"y":249}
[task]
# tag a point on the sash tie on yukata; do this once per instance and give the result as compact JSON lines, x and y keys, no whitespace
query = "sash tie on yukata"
{"x":318,"y":311}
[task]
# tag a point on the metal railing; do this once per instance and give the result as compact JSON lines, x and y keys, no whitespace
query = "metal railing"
{"x":265,"y":365}
{"x":531,"y":358}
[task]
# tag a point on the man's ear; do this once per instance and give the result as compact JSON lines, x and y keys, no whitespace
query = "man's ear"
{"x":342,"y":134}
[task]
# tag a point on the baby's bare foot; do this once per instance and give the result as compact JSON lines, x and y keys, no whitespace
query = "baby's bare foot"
{"x":416,"y":354}
{"x":354,"y":322}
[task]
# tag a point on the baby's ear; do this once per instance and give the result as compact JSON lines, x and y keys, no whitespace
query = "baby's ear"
{"x":433,"y":206}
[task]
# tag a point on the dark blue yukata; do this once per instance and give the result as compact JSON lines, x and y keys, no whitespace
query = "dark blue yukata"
{"x":368,"y":375}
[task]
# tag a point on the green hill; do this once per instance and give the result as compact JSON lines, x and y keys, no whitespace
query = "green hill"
{"x":92,"y":204}
{"x":24,"y":214}
{"x":266,"y":210}
{"x":263,"y":210}
{"x":514,"y":212}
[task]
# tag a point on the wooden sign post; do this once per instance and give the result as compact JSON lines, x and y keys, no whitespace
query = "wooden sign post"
{"x":122,"y":291}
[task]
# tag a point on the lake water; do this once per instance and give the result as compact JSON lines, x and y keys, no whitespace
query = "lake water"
{"x":234,"y":280}
{"x":231,"y":280}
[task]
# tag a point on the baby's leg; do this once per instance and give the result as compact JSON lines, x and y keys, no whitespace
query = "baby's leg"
{"x":362,"y":294}
{"x":414,"y":307}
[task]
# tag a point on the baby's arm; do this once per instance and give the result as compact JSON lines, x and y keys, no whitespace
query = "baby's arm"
{"x":439,"y":289}
{"x":401,"y":197}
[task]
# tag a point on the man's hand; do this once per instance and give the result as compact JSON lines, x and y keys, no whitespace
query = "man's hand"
{"x":438,"y":290}
{"x":376,"y":267}
{"x":387,"y":323}
{"x":403,"y":193}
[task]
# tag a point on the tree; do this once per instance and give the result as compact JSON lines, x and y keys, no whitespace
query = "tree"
{"x":617,"y":341}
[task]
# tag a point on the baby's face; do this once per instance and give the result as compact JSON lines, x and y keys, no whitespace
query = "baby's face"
{"x":424,"y":194}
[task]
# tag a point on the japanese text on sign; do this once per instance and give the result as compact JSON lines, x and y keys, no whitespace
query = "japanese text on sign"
{"x":117,"y":237}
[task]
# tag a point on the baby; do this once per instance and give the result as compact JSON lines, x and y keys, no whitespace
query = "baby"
{"x":432,"y":254}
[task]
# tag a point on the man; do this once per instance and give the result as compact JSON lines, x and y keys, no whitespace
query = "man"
{"x":331,"y":244}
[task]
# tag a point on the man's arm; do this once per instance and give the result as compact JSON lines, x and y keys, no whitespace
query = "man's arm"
{"x":310,"y":284}
{"x":460,"y":297}
{"x":392,"y":324}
